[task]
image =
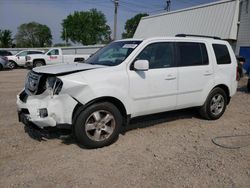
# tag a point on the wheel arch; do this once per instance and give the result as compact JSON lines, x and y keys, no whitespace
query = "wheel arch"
{"x":43,"y":60}
{"x":12,"y":61}
{"x":120,"y":106}
{"x":226,"y":89}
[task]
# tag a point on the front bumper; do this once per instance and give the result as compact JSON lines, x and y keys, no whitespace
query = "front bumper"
{"x":59,"y":109}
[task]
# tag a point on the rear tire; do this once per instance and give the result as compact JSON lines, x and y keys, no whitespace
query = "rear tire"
{"x":38,"y":63}
{"x":215,"y":105}
{"x":98,"y":125}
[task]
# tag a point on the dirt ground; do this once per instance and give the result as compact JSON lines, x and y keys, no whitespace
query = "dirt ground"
{"x":172,"y":149}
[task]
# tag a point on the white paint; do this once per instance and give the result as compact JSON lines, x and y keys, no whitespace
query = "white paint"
{"x":141,"y":92}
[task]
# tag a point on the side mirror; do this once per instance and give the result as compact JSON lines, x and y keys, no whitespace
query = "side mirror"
{"x":141,"y":65}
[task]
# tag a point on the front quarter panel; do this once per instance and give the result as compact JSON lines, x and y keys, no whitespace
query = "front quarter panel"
{"x":89,"y":85}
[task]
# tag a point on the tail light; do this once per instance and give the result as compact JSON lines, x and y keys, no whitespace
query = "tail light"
{"x":27,"y":58}
{"x":237,"y":74}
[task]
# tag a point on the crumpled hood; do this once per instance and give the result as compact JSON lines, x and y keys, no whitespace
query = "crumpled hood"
{"x":65,"y":68}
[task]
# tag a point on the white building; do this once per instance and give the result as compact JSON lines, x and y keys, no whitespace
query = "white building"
{"x":227,"y":19}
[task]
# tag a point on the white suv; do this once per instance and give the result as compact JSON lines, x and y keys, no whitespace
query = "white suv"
{"x":130,"y":78}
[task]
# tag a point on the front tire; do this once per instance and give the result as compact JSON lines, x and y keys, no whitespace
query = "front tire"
{"x":215,"y":105}
{"x":12,"y":65}
{"x":98,"y":125}
{"x":38,"y":63}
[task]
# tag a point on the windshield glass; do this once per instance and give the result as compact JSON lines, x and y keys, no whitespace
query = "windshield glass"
{"x":113,"y":54}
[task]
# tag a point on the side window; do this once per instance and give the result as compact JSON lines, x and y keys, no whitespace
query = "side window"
{"x":192,"y":54}
{"x":34,"y":52}
{"x":222,"y":54}
{"x":24,"y":53}
{"x":54,"y":52}
{"x":159,"y":55}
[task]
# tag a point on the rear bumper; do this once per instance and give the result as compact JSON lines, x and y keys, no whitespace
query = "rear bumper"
{"x":5,"y":65}
{"x":46,"y":111}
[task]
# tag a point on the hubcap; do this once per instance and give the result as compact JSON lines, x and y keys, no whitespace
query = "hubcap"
{"x":39,"y":64}
{"x":11,"y":65}
{"x":100,"y":125}
{"x":217,"y":104}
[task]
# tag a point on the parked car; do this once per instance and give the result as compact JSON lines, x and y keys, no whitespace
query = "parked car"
{"x":96,"y":98}
{"x":19,"y":58}
{"x":53,"y":56}
{"x":4,"y":63}
{"x":5,"y":53}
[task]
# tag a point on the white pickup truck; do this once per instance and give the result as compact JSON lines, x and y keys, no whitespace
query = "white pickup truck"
{"x":19,"y":58}
{"x":53,"y":56}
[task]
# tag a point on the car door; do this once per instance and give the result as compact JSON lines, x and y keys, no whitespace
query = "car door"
{"x":154,"y":90}
{"x":54,"y":57}
{"x":20,"y":58}
{"x":195,"y":73}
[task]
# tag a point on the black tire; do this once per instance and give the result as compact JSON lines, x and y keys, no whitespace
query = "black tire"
{"x":87,"y":137}
{"x":12,"y":65}
{"x":38,"y":63}
{"x":207,"y":111}
{"x":1,"y":67}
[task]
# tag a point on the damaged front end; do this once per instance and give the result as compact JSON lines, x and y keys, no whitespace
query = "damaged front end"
{"x":42,"y":102}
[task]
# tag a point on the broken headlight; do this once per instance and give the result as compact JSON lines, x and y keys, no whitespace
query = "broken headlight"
{"x":54,"y":85}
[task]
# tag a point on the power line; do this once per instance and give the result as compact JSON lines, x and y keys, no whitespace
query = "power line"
{"x":139,"y":5}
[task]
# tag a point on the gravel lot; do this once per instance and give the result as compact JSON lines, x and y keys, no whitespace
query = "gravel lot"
{"x":172,"y":149}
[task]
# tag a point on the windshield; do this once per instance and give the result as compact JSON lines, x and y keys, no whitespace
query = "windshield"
{"x":114,"y":53}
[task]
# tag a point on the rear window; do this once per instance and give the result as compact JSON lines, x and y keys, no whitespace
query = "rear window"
{"x":222,"y":54}
{"x":192,"y":54}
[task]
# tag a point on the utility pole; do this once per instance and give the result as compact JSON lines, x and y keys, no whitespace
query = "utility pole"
{"x":65,"y":35}
{"x":167,"y":8}
{"x":116,"y":3}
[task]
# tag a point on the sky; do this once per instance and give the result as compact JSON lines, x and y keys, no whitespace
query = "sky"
{"x":51,"y":12}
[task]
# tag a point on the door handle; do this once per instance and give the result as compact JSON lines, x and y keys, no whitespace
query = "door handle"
{"x":170,"y":77}
{"x":208,"y":73}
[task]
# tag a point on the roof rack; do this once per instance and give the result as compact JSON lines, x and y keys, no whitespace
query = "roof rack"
{"x":189,"y":35}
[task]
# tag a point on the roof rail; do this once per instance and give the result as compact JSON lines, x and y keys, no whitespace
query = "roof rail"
{"x":190,"y":35}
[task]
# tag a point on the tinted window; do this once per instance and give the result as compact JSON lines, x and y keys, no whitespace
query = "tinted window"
{"x":54,"y":52}
{"x":192,"y":54}
{"x":222,"y":54}
{"x":35,"y":52}
{"x":159,"y":55}
{"x":24,"y":53}
{"x":5,"y":53}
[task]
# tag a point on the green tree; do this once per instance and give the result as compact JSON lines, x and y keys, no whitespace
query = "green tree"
{"x":33,"y":35}
{"x":5,"y":38}
{"x":131,"y":25}
{"x":61,"y":45}
{"x":86,"y":27}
